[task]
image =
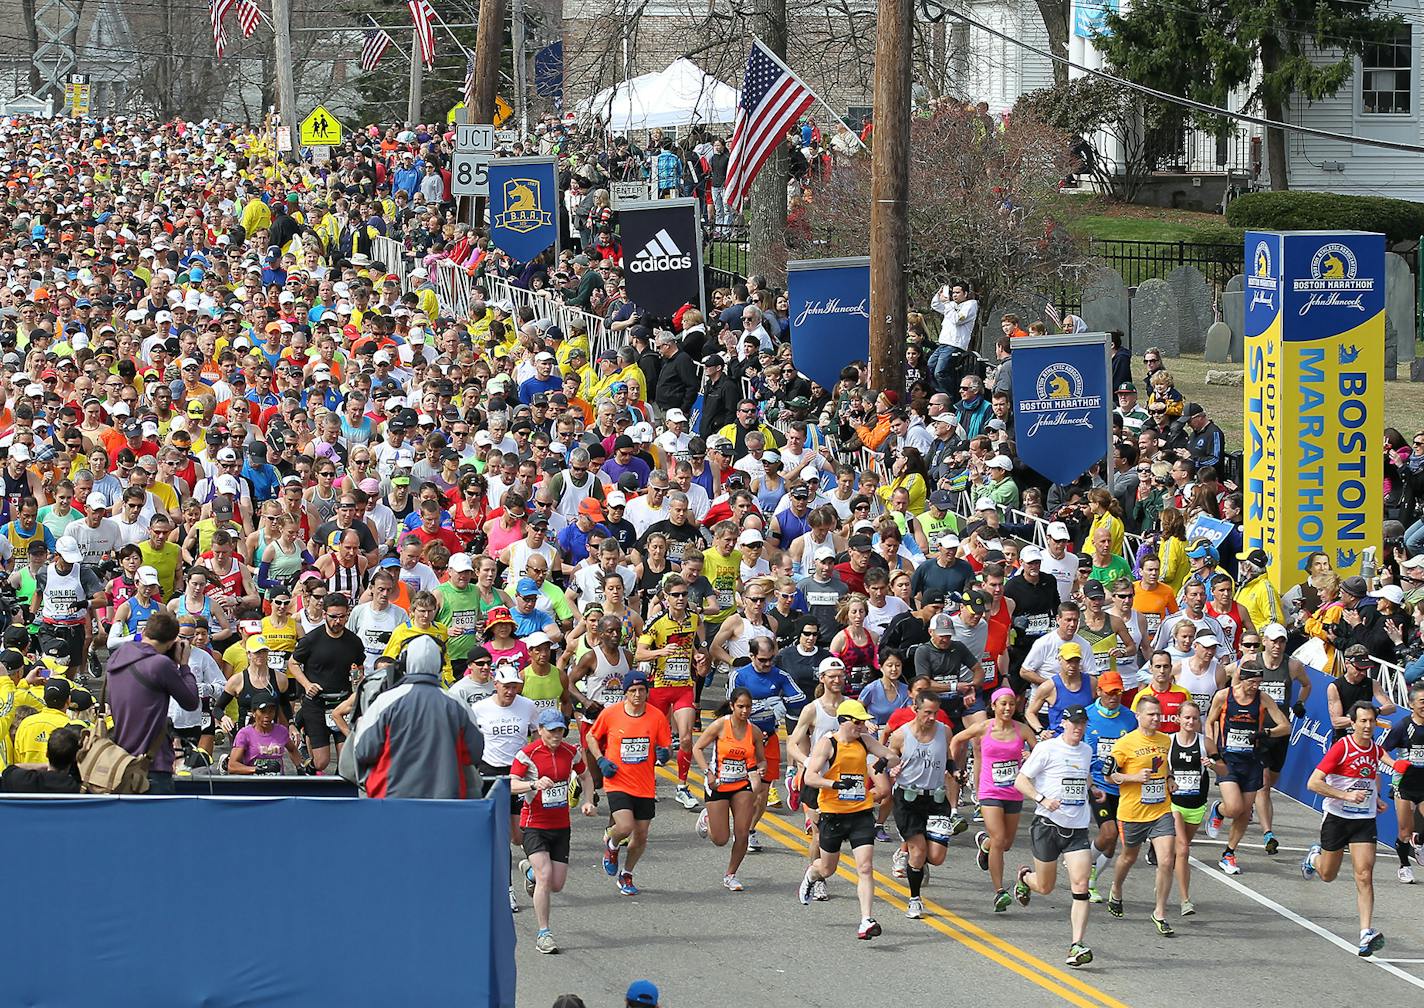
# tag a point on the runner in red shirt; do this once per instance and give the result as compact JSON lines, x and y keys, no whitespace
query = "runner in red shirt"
{"x":542,"y":770}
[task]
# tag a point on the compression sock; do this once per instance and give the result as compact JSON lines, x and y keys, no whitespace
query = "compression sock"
{"x":916,"y":878}
{"x":1101,"y":861}
{"x":684,"y":763}
{"x":1405,"y":850}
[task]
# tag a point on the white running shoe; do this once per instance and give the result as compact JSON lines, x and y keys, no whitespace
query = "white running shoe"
{"x":685,"y":799}
{"x":1406,"y":875}
{"x":702,"y":830}
{"x":513,"y":903}
{"x":753,"y":843}
{"x":915,"y":909}
{"x":807,"y":888}
{"x":818,"y":891}
{"x":900,"y":862}
{"x":731,"y":883}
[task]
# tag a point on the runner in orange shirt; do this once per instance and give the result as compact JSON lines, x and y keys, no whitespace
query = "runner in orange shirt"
{"x":1151,"y":597}
{"x":628,"y":741}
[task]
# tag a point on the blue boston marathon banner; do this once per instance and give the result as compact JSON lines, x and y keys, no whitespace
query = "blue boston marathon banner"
{"x":1062,"y":402}
{"x":523,"y":206}
{"x":829,"y":304}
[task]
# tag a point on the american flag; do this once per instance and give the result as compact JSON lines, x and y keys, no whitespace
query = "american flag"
{"x":248,"y":16}
{"x":217,"y":10}
{"x":469,"y":81}
{"x":424,"y":20}
{"x":375,"y":46}
{"x":773,"y":98}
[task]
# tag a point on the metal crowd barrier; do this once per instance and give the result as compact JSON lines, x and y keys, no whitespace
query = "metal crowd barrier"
{"x":393,"y":254}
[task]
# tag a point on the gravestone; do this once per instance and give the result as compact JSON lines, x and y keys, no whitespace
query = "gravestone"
{"x":1218,"y":343}
{"x":1233,"y":313}
{"x":1105,"y":301}
{"x":1154,"y":319}
{"x":1400,"y":319}
{"x":1193,"y":297}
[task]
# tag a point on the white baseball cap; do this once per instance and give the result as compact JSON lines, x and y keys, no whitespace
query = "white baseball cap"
{"x":1057,"y":530}
{"x":751,"y":535}
{"x":823,"y":553}
{"x":676,"y":416}
{"x":985,"y":504}
{"x":616,"y":499}
{"x":69,"y":549}
{"x":96,"y":500}
{"x":537,"y":639}
{"x":460,"y":562}
{"x":1392,"y":593}
{"x":1274,"y":631}
{"x":1030,"y":554}
{"x":949,"y":541}
{"x":1001,"y":462}
{"x":147,"y":575}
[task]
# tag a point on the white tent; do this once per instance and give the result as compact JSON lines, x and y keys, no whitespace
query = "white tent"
{"x":681,"y":95}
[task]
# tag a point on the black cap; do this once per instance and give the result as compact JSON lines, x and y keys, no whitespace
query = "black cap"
{"x":1356,"y":586}
{"x":975,"y":601}
{"x":1257,"y":558}
{"x":1095,"y":590}
{"x":56,"y":692}
{"x":1193,"y":410}
{"x":860,"y":542}
{"x":17,"y":637}
{"x":1077,"y":713}
{"x":1250,"y":670}
{"x":714,"y":361}
{"x":622,"y":441}
{"x":12,"y":659}
{"x":267,"y":702}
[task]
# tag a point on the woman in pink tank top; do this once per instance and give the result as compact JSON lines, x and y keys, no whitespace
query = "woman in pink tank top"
{"x":1002,"y":745}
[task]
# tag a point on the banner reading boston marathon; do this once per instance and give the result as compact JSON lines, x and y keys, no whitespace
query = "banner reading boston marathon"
{"x":523,"y":206}
{"x":829,"y":304}
{"x":1314,"y":398}
{"x":662,"y":254}
{"x":1062,"y":406}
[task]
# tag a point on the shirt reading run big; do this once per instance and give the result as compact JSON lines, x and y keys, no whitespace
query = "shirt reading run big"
{"x":460,"y":612}
{"x":1134,"y":752}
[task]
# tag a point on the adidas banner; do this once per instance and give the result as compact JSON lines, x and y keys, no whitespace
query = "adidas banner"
{"x":662,"y":254}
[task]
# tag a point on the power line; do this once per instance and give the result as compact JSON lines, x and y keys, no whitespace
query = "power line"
{"x":1196,"y":106}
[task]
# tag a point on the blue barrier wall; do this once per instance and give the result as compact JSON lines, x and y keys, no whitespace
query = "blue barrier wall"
{"x":1311,"y":736}
{"x":345,"y":902}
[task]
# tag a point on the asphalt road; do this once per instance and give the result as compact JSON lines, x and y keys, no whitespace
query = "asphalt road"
{"x":1265,"y":937}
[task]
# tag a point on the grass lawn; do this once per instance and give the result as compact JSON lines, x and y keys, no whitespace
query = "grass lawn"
{"x":1095,"y":217}
{"x":1403,"y":400}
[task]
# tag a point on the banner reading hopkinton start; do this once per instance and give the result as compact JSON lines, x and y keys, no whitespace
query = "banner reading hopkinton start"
{"x":1314,"y":466}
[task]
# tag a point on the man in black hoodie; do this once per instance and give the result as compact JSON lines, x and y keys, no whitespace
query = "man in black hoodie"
{"x":676,"y":386}
{"x":720,"y":395}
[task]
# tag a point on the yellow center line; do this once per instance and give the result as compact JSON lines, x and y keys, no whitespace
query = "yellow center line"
{"x":968,"y":934}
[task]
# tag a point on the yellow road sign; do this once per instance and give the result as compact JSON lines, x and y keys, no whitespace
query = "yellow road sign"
{"x":502,"y":111}
{"x":320,"y":129}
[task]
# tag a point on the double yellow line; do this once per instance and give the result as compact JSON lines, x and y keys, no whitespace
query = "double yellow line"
{"x":973,"y":937}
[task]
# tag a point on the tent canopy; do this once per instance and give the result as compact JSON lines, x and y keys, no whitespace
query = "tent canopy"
{"x":681,"y":95}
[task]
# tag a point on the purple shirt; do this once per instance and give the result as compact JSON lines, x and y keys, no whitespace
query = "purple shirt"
{"x":140,"y":682}
{"x":255,"y":744}
{"x":612,"y":470}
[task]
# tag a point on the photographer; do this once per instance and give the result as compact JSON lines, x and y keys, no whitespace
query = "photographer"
{"x":143,"y":676}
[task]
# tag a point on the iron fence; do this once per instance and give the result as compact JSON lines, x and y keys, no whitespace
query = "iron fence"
{"x":1142,"y":260}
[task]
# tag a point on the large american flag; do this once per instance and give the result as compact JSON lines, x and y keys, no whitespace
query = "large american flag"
{"x":248,"y":15}
{"x":424,"y":20}
{"x":217,"y":10}
{"x":773,"y":98}
{"x":469,"y":88}
{"x":373,"y":48}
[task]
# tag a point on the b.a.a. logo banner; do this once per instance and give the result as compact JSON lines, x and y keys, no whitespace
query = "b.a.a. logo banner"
{"x":1062,"y":405}
{"x":662,"y":254}
{"x":524,"y":206}
{"x":829,"y":304}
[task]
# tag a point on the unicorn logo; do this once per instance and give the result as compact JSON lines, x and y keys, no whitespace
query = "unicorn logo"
{"x":521,"y":196}
{"x":1263,"y":261}
{"x":522,"y":211}
{"x":1332,"y":267}
{"x":1348,"y":354}
{"x":1058,"y":387}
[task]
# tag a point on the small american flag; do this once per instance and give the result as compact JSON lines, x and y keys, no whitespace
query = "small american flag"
{"x":217,"y":10}
{"x":469,"y":80}
{"x":424,"y":20}
{"x":773,"y":98}
{"x":374,"y":47}
{"x":248,"y":16}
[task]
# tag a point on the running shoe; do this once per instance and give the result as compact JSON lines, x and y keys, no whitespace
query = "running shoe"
{"x":1002,"y":899}
{"x":900,"y":863}
{"x":819,"y":893}
{"x":1188,"y":908}
{"x":1405,"y":875}
{"x":981,"y":841}
{"x":808,"y":885}
{"x":1079,"y":955}
{"x":1419,"y":855}
{"x":1114,"y":906}
{"x":773,"y":797}
{"x":1163,"y":928}
{"x":1272,"y":844}
{"x":1371,"y":941}
{"x":793,"y":793}
{"x":625,"y":884}
{"x":1151,"y":855}
{"x":957,"y":824}
{"x":575,"y":789}
{"x":684,"y":797}
{"x":753,"y":843}
{"x":1021,"y":889}
{"x":868,"y":929}
{"x":513,"y":903}
{"x":544,"y":942}
{"x":1214,"y":820}
{"x":1228,"y":863}
{"x":1307,"y":866}
{"x":882,"y":835}
{"x":915,"y":909}
{"x":528,"y":873}
{"x":610,"y":854}
{"x":731,"y":883}
{"x":702,"y":830}
{"x":1093,"y":895}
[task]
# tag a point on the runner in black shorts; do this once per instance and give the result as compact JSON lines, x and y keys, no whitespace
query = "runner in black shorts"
{"x":921,"y":794}
{"x":322,"y":665}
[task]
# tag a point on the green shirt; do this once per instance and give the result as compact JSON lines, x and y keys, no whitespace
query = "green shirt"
{"x":460,"y":611}
{"x":1117,"y":568}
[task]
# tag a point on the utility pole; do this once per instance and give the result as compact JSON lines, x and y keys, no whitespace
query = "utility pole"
{"x":521,"y":85}
{"x":286,"y":89}
{"x":889,"y":190}
{"x":417,"y":69}
{"x":489,"y":43}
{"x":766,"y":203}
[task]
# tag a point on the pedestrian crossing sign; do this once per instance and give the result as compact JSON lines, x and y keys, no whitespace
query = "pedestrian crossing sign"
{"x":502,"y":111}
{"x":321,"y":129}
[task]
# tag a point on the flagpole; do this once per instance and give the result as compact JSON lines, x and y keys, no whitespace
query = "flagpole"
{"x":451,"y":32}
{"x":378,"y":26}
{"x":834,"y":114}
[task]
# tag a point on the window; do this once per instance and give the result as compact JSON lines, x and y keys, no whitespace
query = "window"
{"x":1386,"y":76}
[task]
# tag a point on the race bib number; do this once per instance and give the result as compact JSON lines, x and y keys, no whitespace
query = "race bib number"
{"x":1105,"y":747}
{"x":556,"y":796}
{"x":1367,"y":809}
{"x":1239,"y":740}
{"x":1154,"y":792}
{"x":1003,"y":772}
{"x":467,"y":619}
{"x":549,"y":703}
{"x":1038,"y":624}
{"x":726,"y":598}
{"x":1275,"y":690}
{"x":277,"y":661}
{"x":677,"y":670}
{"x":1102,"y":661}
{"x":856,"y":791}
{"x":815,"y":598}
{"x":633,"y":750}
{"x":730,"y":771}
{"x":1075,"y":790}
{"x":1203,"y":700}
{"x":1416,"y":755}
{"x":1153,"y":621}
{"x":1188,"y":781}
{"x":937,"y":828}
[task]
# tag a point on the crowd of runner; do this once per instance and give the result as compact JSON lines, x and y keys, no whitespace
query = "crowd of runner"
{"x":672,"y":556}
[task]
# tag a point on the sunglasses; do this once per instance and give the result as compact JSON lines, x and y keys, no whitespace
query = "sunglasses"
{"x":681,"y":594}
